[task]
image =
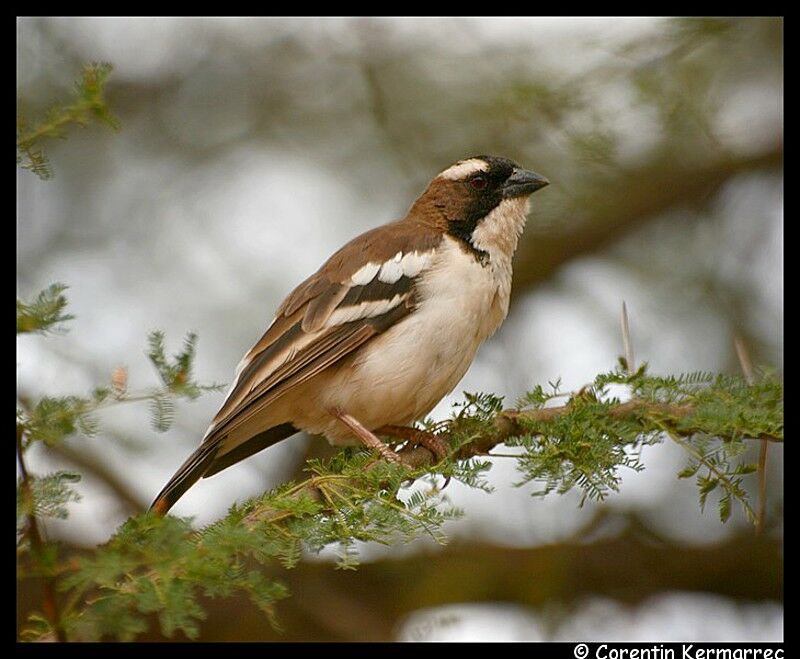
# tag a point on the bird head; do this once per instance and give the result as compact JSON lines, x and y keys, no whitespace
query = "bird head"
{"x":482,"y":201}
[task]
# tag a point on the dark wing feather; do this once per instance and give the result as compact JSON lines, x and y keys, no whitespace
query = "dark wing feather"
{"x":376,"y":290}
{"x":203,"y":463}
{"x":253,"y":445}
{"x":326,"y":350}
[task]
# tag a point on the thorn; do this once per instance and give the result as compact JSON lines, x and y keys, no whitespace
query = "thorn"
{"x":747,"y":369}
{"x":744,"y":359}
{"x":627,"y":344}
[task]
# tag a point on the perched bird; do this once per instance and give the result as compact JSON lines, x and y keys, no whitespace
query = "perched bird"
{"x":383,"y":330}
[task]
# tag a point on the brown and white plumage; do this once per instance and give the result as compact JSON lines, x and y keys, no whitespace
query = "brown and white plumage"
{"x":384,"y":329}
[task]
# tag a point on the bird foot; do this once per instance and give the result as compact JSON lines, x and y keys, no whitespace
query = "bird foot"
{"x":367,"y":438}
{"x":416,"y":437}
{"x":434,"y":443}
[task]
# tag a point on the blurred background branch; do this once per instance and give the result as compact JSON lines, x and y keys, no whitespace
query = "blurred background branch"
{"x":629,"y":199}
{"x":615,"y":556}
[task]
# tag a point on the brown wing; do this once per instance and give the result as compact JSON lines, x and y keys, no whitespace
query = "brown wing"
{"x":362,"y":290}
{"x":324,"y":350}
{"x":331,"y":314}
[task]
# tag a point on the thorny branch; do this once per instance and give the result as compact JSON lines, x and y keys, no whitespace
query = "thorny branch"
{"x":507,"y":424}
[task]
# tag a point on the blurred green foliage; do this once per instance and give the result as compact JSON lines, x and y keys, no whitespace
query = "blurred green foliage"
{"x":88,"y":104}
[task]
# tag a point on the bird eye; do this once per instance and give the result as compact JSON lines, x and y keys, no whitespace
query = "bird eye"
{"x":479,"y":182}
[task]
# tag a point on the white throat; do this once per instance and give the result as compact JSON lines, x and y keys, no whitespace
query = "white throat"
{"x":497,"y":234}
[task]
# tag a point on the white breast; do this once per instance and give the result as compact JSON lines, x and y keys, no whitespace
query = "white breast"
{"x":464,"y":297}
{"x":402,"y":374}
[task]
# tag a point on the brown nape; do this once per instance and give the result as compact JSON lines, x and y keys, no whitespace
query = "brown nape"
{"x":442,"y":202}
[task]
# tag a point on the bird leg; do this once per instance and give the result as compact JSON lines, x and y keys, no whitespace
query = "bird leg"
{"x":369,"y":440}
{"x":434,"y":443}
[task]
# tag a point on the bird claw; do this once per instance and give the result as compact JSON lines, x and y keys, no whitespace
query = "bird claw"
{"x":416,"y":437}
{"x":389,"y":455}
{"x":435,"y":444}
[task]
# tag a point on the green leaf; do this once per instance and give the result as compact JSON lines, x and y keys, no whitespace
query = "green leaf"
{"x":706,"y":485}
{"x":37,"y":630}
{"x":53,"y":419}
{"x":88,"y":103}
{"x":45,"y":312}
{"x":689,"y":471}
{"x":725,"y":505}
{"x":162,"y":412}
{"x":47,"y":496}
{"x":161,"y":567}
{"x":176,"y":372}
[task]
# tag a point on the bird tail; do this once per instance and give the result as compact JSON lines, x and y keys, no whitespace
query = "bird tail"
{"x":204,"y":462}
{"x":188,"y":474}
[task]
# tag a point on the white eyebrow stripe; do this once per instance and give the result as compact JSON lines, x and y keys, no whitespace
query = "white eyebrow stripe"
{"x":365,"y":274}
{"x":369,"y":309}
{"x":464,"y":168}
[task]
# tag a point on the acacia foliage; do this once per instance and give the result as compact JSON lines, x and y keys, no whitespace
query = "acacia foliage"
{"x":162,"y":568}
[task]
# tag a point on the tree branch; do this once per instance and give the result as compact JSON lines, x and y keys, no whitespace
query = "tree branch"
{"x":507,"y":424}
{"x":49,"y":601}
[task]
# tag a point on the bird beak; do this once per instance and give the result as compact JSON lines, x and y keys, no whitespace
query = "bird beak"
{"x":522,"y":183}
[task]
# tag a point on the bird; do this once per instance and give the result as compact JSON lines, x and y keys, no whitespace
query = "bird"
{"x":384,"y":330}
